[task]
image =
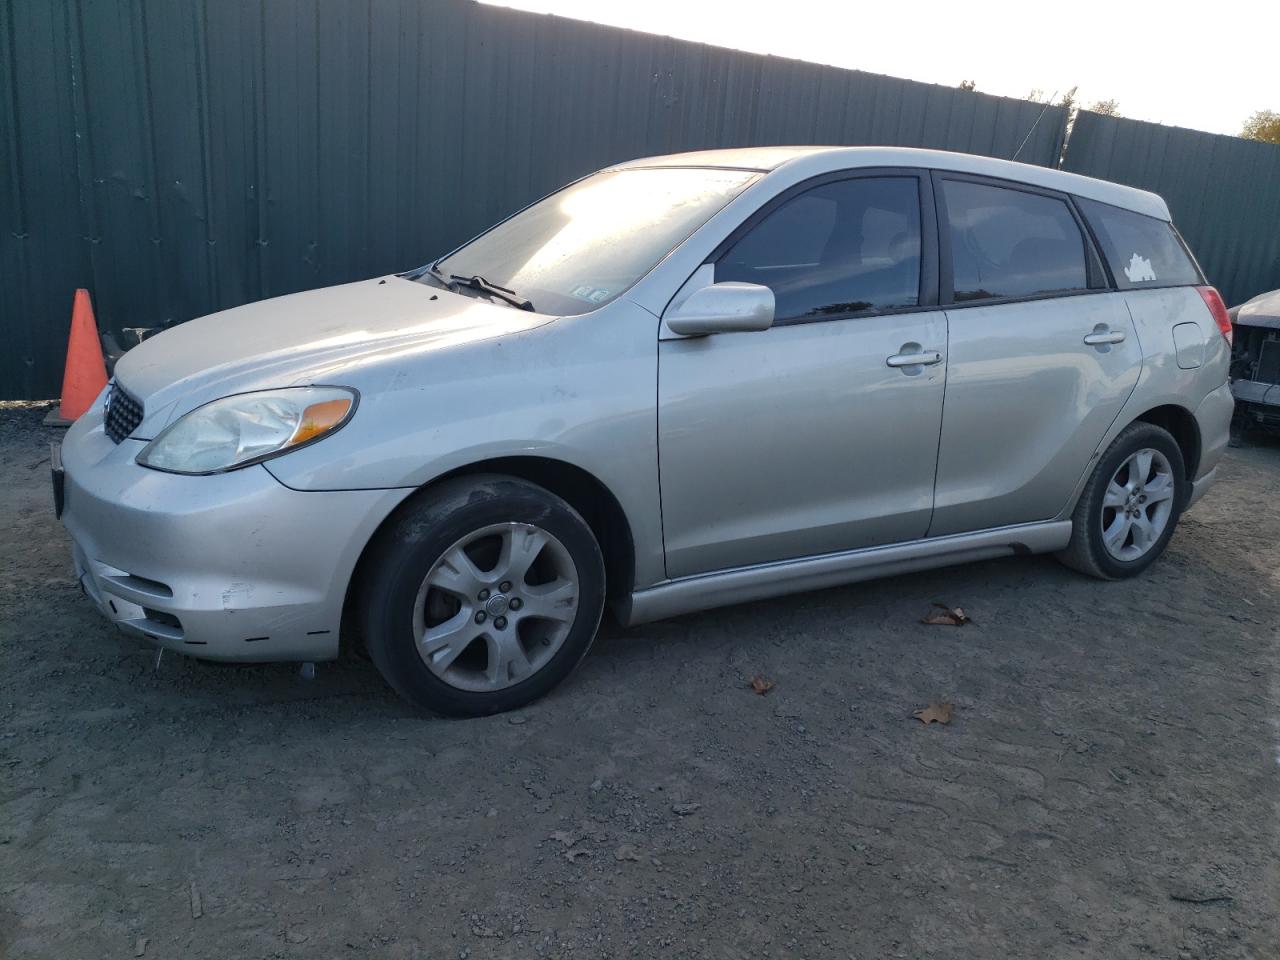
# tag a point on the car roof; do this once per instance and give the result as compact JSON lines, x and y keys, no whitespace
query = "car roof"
{"x":804,"y":161}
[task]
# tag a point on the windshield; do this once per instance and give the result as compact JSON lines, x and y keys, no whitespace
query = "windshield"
{"x":583,"y":246}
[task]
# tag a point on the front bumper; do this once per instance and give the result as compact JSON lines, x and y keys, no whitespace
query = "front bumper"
{"x":234,"y":566}
{"x":1257,"y":403}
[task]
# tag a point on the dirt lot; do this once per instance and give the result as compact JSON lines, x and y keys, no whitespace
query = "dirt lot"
{"x":1107,"y":789}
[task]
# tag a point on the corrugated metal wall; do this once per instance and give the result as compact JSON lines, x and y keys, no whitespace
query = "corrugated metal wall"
{"x":181,"y":156}
{"x":1223,"y":192}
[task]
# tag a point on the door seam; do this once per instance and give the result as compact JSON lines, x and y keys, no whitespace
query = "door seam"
{"x":942,"y":419}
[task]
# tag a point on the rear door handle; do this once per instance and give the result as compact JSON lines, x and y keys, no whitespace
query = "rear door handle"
{"x":1099,"y":337}
{"x":914,"y":359}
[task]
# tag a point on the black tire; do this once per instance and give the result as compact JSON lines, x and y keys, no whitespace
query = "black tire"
{"x":407,"y":548}
{"x":1086,"y":552}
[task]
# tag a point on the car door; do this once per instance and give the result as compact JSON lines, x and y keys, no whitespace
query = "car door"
{"x":1042,"y":354}
{"x":819,"y":434}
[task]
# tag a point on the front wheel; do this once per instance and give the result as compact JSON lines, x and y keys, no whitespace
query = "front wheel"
{"x":1130,"y":505}
{"x":482,"y":595}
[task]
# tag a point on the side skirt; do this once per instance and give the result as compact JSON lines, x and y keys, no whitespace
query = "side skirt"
{"x":742,"y":584}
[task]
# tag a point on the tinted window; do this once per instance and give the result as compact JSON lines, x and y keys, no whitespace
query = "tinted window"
{"x":845,"y":247}
{"x":1009,"y":243}
{"x":1142,"y":251}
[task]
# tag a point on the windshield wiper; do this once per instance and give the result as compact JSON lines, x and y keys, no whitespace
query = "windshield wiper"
{"x":417,"y":273}
{"x":434,"y":272}
{"x":481,"y":285}
{"x":431,"y":271}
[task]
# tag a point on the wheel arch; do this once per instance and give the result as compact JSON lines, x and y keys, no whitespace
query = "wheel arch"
{"x":1173,"y":417}
{"x":1181,"y":423}
{"x":581,"y":489}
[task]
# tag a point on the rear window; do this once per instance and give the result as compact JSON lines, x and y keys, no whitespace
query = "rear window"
{"x":1011,"y":243}
{"x":1142,"y":251}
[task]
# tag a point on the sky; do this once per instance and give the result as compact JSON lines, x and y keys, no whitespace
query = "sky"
{"x":1189,"y":65}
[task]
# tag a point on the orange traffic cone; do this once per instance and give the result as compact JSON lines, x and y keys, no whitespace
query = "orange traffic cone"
{"x":86,"y":372}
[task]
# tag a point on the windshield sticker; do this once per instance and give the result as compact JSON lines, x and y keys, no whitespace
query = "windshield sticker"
{"x":1139,"y":270}
{"x":591,"y":294}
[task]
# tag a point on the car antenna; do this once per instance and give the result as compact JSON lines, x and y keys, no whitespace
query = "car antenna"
{"x":1047,"y":104}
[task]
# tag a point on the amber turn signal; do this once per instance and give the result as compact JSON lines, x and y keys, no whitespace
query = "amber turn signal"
{"x":319,"y":418}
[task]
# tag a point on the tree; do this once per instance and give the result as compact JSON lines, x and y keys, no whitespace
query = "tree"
{"x":1068,"y":99}
{"x":1108,"y":108}
{"x":970,"y":85}
{"x":1263,"y":125}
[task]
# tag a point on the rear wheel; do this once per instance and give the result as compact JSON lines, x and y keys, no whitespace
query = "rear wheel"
{"x":1130,"y":506}
{"x":482,"y":595}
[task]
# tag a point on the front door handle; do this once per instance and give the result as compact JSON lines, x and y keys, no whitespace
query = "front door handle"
{"x":1101,"y":337}
{"x":914,"y":359}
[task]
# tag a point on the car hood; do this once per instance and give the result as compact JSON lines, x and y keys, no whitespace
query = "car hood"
{"x":320,"y":336}
{"x":1262,"y":311}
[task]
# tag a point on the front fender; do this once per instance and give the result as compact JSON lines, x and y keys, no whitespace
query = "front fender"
{"x":579,"y":390}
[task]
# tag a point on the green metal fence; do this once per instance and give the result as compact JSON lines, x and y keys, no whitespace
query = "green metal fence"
{"x":1224,"y":192}
{"x":182,"y":156}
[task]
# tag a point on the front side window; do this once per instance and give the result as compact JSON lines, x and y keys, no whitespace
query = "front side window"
{"x":1010,"y":243}
{"x":1142,"y":251}
{"x":584,"y":245}
{"x":842,"y":248}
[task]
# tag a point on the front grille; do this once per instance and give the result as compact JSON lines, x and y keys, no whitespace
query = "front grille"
{"x":121,"y":415}
{"x":1269,"y":363}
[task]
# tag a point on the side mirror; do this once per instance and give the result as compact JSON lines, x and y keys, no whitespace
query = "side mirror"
{"x":728,"y":307}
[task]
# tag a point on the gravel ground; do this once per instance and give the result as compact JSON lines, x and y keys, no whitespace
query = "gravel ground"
{"x":1107,"y":788}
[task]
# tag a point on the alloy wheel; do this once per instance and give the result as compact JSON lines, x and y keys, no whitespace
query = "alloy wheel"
{"x":496,"y":607}
{"x":1137,"y":504}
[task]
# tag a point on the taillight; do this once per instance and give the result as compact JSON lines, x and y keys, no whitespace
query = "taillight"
{"x":1213,"y":300}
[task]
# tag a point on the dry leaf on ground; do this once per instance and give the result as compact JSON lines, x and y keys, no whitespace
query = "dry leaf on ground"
{"x":949,"y":617}
{"x":935,"y":713}
{"x":761,"y":686}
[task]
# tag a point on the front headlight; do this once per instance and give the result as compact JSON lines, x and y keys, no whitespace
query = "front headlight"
{"x":248,"y":428}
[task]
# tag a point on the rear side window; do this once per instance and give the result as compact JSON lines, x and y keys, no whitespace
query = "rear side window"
{"x":1010,"y":243}
{"x":842,"y":248}
{"x":1143,"y":251}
